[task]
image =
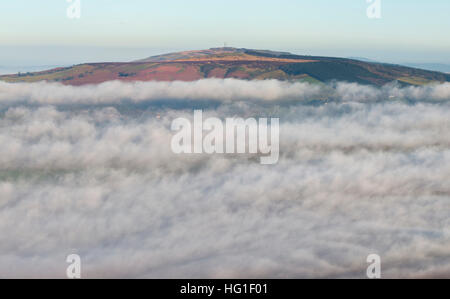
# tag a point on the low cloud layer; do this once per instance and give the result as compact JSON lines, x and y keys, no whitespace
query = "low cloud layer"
{"x":89,"y":170}
{"x":227,"y":90}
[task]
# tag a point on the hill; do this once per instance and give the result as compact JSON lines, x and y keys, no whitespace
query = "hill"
{"x":234,"y":63}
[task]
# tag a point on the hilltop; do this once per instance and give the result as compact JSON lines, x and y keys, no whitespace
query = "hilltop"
{"x":235,"y":63}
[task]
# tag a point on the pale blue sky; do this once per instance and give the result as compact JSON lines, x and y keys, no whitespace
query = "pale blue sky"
{"x":39,"y":32}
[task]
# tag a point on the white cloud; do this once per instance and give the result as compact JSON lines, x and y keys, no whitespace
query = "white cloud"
{"x":223,"y":90}
{"x":356,"y":176}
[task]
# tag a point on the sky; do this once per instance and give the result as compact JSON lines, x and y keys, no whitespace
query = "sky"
{"x":39,"y":33}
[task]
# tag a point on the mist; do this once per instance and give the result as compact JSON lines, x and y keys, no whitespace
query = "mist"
{"x":89,"y":170}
